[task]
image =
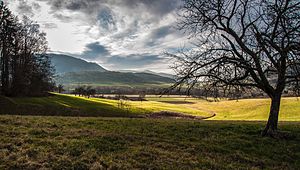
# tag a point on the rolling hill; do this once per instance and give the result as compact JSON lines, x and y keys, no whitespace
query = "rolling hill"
{"x":71,"y":70}
{"x":65,"y":63}
{"x":149,"y":72}
{"x":111,"y":78}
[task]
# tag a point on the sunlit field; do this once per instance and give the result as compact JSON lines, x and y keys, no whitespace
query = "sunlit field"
{"x":243,"y":109}
{"x":70,"y":105}
{"x":72,"y":132}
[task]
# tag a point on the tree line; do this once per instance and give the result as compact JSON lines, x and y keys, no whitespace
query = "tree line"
{"x":86,"y":91}
{"x":25,"y":69}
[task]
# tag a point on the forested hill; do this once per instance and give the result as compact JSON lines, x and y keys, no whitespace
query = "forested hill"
{"x":112,"y":78}
{"x":71,"y":70}
{"x":65,"y":63}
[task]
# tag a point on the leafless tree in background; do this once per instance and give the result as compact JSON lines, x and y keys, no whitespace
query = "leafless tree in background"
{"x":25,"y":68}
{"x":242,"y":44}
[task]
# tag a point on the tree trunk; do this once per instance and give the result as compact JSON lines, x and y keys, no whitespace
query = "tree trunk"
{"x":271,"y":127}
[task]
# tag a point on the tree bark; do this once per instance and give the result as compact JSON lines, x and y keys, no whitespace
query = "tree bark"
{"x":272,"y":124}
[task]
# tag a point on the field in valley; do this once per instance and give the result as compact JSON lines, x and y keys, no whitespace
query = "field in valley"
{"x":68,"y":132}
{"x":243,"y":109}
{"x":70,"y":105}
{"x":29,"y":142}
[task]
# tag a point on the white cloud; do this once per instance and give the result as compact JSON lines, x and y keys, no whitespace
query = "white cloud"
{"x":125,"y":27}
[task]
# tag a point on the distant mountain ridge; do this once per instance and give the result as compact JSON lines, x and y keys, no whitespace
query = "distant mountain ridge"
{"x":64,"y":63}
{"x":150,"y":72}
{"x":160,"y":74}
{"x":71,"y":70}
{"x":112,"y":78}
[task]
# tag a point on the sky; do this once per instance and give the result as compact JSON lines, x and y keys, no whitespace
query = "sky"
{"x":116,"y":34}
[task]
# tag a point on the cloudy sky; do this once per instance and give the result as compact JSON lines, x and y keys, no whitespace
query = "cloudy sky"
{"x":117,"y":34}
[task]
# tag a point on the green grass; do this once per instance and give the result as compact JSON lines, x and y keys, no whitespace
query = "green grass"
{"x":245,"y":109}
{"x":63,"y":105}
{"x":33,"y":142}
{"x":55,"y":142}
{"x":69,"y":105}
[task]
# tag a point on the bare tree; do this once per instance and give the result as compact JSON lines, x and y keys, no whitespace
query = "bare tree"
{"x":242,"y":44}
{"x":7,"y":30}
{"x":60,"y":88}
{"x":25,"y":68}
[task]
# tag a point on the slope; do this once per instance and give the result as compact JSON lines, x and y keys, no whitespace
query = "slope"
{"x":65,"y":63}
{"x":112,"y":78}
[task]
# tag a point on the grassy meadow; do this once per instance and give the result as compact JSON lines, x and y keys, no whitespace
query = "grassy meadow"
{"x":71,"y":132}
{"x":244,"y":109}
{"x":29,"y":142}
{"x":70,"y":105}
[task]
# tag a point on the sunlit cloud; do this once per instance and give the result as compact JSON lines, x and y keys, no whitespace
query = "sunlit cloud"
{"x":118,"y":34}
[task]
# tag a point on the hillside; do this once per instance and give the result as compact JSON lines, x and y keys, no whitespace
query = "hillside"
{"x":65,"y":63}
{"x":112,"y":78}
{"x":61,"y":105}
{"x":159,"y":73}
{"x":71,"y":70}
{"x":70,"y":105}
{"x":149,"y":72}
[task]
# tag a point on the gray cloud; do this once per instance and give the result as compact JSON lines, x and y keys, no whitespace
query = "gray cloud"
{"x":95,"y":50}
{"x":159,"y":7}
{"x":94,"y":8}
{"x":36,"y":6}
{"x":132,"y":33}
{"x":106,"y":19}
{"x":62,"y":17}
{"x":49,"y":25}
{"x":140,"y":61}
{"x":25,"y":8}
{"x":85,"y":6}
{"x":162,"y":32}
{"x":159,"y":33}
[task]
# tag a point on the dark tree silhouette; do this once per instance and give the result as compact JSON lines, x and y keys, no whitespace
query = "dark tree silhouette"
{"x":241,"y":44}
{"x":90,"y":91}
{"x":60,"y":88}
{"x":24,"y":67}
{"x":87,"y":91}
{"x":7,"y":29}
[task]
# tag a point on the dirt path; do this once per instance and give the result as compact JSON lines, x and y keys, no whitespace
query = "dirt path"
{"x":212,"y":113}
{"x":177,"y":115}
{"x":168,"y":114}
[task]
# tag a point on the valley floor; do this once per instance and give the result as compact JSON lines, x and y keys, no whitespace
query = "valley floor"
{"x":33,"y":142}
{"x":71,"y":132}
{"x":70,"y":105}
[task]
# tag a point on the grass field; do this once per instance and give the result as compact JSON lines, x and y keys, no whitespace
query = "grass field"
{"x":29,"y":142}
{"x":121,"y":141}
{"x":61,"y":105}
{"x":69,"y":105}
{"x":245,"y":109}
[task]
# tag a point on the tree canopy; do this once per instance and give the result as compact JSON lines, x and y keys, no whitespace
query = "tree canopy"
{"x":242,"y":44}
{"x":24,"y":67}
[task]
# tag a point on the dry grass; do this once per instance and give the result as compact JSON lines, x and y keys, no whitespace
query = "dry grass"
{"x":31,"y":142}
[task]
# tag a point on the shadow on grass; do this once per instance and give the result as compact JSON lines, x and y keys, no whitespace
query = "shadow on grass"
{"x":60,"y":105}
